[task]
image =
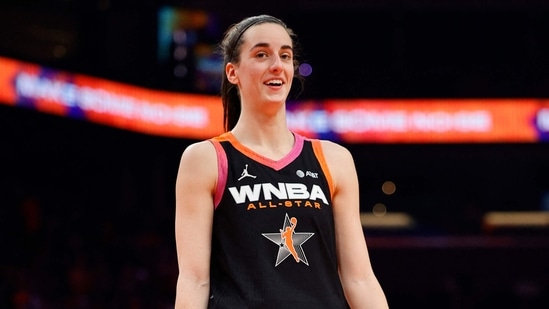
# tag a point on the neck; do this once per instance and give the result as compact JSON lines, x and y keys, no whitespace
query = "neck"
{"x":267,"y":136}
{"x":267,"y":121}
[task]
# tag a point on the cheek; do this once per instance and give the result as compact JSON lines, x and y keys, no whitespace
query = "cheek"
{"x":291,"y":69}
{"x":253,"y":76}
{"x":248,"y":79}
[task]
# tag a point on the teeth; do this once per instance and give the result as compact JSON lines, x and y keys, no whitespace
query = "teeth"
{"x":275,"y":82}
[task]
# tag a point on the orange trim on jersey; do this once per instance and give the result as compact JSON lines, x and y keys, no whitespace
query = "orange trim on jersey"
{"x":222,"y":169}
{"x":274,"y":164}
{"x":317,"y":148}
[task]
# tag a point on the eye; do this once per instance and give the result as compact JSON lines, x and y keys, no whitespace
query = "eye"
{"x":286,"y":56}
{"x":261,"y":54}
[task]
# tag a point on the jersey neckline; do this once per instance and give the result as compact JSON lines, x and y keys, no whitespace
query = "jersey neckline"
{"x":274,"y":164}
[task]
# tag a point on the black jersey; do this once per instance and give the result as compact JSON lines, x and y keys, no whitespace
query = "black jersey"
{"x":273,"y":242}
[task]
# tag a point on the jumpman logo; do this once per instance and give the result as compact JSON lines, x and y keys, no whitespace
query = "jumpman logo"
{"x":245,"y":173}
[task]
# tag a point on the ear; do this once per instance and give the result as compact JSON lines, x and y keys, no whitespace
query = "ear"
{"x":230,"y":71}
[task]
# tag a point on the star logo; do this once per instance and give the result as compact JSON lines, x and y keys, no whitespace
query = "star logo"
{"x":289,"y":242}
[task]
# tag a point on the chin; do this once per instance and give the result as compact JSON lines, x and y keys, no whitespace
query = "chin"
{"x":277,"y":98}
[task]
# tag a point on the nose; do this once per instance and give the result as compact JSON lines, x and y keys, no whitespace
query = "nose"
{"x":276,"y":64}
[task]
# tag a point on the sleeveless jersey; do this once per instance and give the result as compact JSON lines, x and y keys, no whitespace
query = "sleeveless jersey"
{"x":273,"y":241}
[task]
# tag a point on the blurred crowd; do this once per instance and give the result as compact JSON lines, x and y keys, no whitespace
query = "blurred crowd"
{"x":65,"y":256}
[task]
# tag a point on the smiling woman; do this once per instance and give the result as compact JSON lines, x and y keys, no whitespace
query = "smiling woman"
{"x":252,"y":191}
{"x":232,"y":43}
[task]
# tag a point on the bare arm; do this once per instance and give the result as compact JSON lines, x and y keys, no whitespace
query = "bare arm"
{"x":195,"y":187}
{"x":360,"y":284}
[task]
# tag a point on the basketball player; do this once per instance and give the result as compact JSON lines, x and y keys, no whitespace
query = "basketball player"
{"x":239,"y":196}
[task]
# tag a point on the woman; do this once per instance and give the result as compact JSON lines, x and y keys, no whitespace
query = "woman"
{"x":240,"y":196}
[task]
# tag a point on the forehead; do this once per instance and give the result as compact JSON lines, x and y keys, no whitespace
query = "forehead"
{"x":270,"y":33}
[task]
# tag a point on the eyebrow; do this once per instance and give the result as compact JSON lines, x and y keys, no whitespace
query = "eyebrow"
{"x":267,"y":45}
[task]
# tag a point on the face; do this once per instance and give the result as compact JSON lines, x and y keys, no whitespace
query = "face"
{"x":265,"y":71}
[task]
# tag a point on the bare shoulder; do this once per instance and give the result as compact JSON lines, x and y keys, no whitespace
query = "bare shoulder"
{"x":335,"y":153}
{"x":199,"y":159}
{"x":198,"y":152}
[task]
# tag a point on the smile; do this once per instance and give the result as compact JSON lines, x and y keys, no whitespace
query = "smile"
{"x":275,"y":82}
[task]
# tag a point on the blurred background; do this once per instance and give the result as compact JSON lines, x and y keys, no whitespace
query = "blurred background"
{"x":87,"y":210}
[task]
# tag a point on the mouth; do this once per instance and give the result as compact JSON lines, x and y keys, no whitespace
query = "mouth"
{"x":274,"y":82}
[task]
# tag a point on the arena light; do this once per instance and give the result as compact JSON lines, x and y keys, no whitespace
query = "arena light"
{"x":197,"y":116}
